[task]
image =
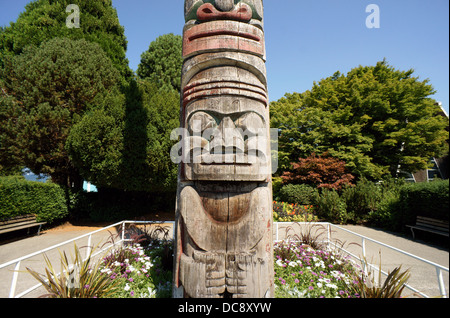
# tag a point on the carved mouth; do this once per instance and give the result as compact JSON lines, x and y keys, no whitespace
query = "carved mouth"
{"x":223,"y":35}
{"x":256,"y":170}
{"x":225,"y":32}
{"x":242,"y":159}
{"x":200,"y":90}
{"x":231,"y":28}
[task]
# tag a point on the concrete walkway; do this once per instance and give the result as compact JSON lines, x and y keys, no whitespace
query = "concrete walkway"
{"x":29,"y":245}
{"x":423,"y":276}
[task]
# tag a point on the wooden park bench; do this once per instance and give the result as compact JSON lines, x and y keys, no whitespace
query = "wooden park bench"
{"x":20,"y":223}
{"x":430,"y":225}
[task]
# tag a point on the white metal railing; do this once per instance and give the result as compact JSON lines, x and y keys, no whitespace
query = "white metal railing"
{"x":328,"y":226}
{"x":17,"y":262}
{"x":439,"y":268}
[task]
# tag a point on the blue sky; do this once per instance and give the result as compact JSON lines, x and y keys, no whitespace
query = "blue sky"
{"x":307,"y":40}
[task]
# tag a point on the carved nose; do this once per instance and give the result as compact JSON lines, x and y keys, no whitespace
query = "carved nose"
{"x":227,"y":139}
{"x":241,"y":12}
{"x":225,"y":5}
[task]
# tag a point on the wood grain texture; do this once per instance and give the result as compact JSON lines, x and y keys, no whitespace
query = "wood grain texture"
{"x":224,"y":199}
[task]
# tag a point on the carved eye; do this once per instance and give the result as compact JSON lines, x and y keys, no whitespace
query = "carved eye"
{"x":201,"y":121}
{"x":250,"y":123}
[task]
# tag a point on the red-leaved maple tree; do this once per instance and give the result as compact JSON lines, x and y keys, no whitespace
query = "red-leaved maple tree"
{"x":322,"y":171}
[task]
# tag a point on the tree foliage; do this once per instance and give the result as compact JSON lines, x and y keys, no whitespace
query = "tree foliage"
{"x":126,"y":143}
{"x":320,"y":172}
{"x":375,"y":118}
{"x":46,"y":89}
{"x":162,"y":62}
{"x":43,"y":20}
{"x":71,"y":108}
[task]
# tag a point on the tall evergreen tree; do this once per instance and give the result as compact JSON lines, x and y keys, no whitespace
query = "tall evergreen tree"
{"x":55,"y":92}
{"x":43,"y":20}
{"x":126,"y":143}
{"x":46,"y":90}
{"x":162,"y":62}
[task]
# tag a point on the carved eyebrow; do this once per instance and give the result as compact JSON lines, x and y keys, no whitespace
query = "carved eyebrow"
{"x":192,"y":14}
{"x":219,"y":116}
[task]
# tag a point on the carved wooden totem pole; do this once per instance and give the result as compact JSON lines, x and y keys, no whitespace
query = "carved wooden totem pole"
{"x":224,"y":204}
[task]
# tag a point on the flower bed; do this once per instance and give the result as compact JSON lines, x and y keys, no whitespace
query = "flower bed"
{"x":302,"y":272}
{"x":293,"y":212}
{"x":143,"y":269}
{"x":140,"y":271}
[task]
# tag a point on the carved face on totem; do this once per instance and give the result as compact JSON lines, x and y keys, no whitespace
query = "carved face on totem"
{"x":248,"y":11}
{"x":225,"y":103}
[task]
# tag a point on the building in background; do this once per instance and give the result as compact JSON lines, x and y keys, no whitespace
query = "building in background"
{"x":439,"y":169}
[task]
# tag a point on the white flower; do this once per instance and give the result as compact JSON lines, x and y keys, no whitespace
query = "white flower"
{"x":293,"y":264}
{"x":151,"y":292}
{"x":127,"y":287}
{"x":331,"y":286}
{"x":280,"y":263}
{"x":106,"y":270}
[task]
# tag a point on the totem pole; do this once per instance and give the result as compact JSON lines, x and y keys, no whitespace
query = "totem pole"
{"x":223,"y":245}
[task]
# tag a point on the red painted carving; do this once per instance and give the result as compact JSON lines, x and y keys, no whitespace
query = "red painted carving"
{"x":223,"y":35}
{"x":207,"y":12}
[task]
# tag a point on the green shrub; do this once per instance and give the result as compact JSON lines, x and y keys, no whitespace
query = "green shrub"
{"x":277,"y":184}
{"x":362,"y":199}
{"x":428,"y":199}
{"x":400,"y":204}
{"x":331,"y":208}
{"x":21,"y":197}
{"x":298,"y":193}
{"x":387,"y":209}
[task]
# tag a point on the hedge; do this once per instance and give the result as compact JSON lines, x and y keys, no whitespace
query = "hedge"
{"x":21,"y":197}
{"x":425,"y":199}
{"x":298,"y":193}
